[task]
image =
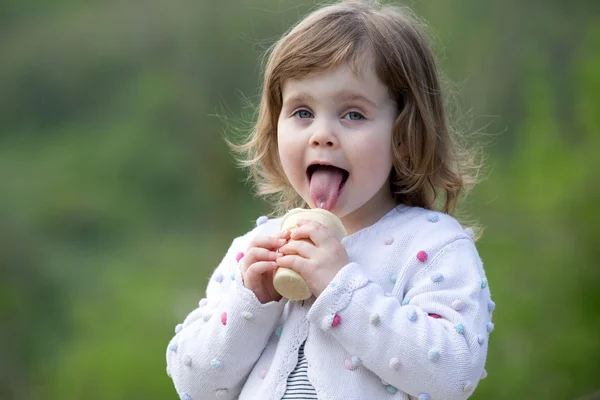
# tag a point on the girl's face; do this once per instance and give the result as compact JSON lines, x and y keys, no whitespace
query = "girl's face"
{"x":344,"y":121}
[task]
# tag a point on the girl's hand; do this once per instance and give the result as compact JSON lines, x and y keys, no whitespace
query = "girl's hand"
{"x":317,"y":259}
{"x":258,"y":265}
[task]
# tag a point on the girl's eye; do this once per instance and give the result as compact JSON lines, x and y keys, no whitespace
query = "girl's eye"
{"x":302,"y":114}
{"x":354,"y":116}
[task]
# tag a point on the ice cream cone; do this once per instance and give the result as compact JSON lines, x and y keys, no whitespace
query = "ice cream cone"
{"x":287,"y":282}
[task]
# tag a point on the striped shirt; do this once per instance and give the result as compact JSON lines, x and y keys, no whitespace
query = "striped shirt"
{"x":298,"y":386}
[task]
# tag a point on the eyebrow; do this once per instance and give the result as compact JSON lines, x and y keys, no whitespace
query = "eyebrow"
{"x":299,"y":98}
{"x":342,"y":96}
{"x":346,"y":95}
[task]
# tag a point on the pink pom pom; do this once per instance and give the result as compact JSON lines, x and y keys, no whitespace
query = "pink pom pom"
{"x":336,"y":321}
{"x":224,"y":318}
{"x":422,"y":256}
{"x":239,"y":256}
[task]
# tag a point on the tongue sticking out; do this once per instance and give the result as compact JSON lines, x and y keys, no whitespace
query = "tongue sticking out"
{"x":325,"y":186}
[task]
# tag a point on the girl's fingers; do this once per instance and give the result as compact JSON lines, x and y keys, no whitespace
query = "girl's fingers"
{"x":301,"y":247}
{"x":268,"y":242}
{"x":293,"y":261}
{"x":284,"y":235}
{"x":255,"y":270}
{"x":257,"y":254}
{"x":253,"y":277}
{"x":314,"y":231}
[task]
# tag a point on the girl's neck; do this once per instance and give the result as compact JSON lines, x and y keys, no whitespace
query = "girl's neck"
{"x":368,"y":214}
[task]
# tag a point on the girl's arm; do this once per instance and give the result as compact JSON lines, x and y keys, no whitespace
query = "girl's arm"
{"x":430,"y":342}
{"x":217,"y":345}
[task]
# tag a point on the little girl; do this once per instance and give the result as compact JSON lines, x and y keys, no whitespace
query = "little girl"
{"x":352,"y":120}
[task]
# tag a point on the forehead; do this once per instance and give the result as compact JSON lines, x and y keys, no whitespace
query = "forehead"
{"x":347,"y":81}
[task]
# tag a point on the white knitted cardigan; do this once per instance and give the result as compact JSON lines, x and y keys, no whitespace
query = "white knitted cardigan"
{"x":408,"y":317}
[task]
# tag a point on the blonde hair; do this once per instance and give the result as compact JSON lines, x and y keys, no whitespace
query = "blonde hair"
{"x":427,"y":158}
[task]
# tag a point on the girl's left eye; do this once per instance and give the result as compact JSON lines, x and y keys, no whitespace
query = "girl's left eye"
{"x":354,"y":116}
{"x":303,"y":114}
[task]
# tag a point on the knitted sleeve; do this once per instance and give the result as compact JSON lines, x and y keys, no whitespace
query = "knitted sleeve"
{"x":218,"y":343}
{"x":428,"y":338}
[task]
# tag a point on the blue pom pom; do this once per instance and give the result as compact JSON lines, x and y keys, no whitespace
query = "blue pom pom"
{"x":216,"y":363}
{"x":433,"y":217}
{"x":491,"y":306}
{"x":490,"y":326}
{"x":391,"y":389}
{"x":279,"y":330}
{"x":424,"y":396}
{"x":406,"y":301}
{"x":433,"y":354}
{"x":185,"y":396}
{"x":394,"y":278}
{"x":436,"y":278}
{"x":412,"y":315}
{"x":262,"y":220}
{"x":484,"y":283}
{"x":356,"y":361}
{"x":173,"y":347}
{"x":480,"y":340}
{"x":219,"y":277}
{"x":178,"y":328}
{"x":460,"y":328}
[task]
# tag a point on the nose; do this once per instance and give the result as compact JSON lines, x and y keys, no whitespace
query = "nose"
{"x":323,"y":136}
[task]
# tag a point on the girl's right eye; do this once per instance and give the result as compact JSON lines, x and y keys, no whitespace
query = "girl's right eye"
{"x":302,"y":114}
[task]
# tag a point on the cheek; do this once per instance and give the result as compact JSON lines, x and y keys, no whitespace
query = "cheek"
{"x":282,"y":143}
{"x":377,"y":160}
{"x":283,"y":147}
{"x":289,"y":154}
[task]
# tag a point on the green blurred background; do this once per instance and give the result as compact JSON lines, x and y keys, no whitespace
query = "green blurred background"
{"x":118,"y":195}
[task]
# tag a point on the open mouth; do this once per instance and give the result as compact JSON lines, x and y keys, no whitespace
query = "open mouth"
{"x":325,"y":184}
{"x":329,"y":169}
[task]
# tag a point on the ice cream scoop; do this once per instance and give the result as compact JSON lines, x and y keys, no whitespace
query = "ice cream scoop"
{"x":287,"y":282}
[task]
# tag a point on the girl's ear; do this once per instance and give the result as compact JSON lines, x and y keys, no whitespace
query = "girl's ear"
{"x":402,"y":150}
{"x":400,"y":147}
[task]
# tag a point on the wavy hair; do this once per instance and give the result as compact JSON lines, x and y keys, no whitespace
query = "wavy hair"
{"x":430,"y":168}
